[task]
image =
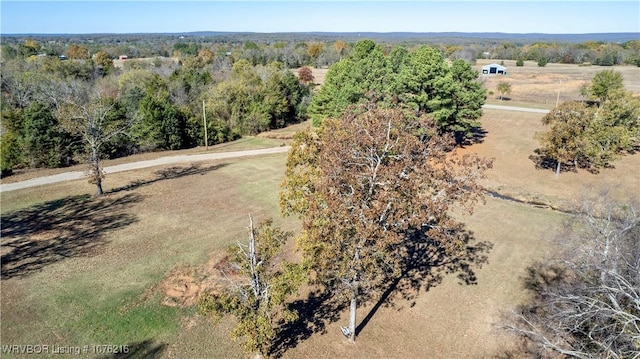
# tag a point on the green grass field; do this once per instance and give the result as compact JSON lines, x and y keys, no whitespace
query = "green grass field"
{"x":94,"y":277}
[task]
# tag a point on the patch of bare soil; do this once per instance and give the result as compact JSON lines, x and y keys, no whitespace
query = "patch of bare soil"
{"x":183,"y":286}
{"x":180,"y":288}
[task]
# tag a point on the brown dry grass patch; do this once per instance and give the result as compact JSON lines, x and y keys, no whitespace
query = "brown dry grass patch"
{"x":544,"y":86}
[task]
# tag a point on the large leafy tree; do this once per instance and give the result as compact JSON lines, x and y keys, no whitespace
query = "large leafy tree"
{"x":592,"y":137}
{"x":564,"y":141}
{"x":367,"y":185}
{"x":421,"y":80}
{"x":605,"y":82}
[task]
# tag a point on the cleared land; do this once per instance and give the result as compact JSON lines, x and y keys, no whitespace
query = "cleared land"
{"x":125,"y":269}
{"x":537,"y":85}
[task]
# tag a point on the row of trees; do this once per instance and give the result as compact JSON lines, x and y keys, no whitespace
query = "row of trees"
{"x":291,"y":54}
{"x":592,"y":135}
{"x":297,"y":50}
{"x":597,"y":53}
{"x":160,"y":109}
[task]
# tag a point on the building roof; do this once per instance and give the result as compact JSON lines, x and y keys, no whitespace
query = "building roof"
{"x":494,"y":65}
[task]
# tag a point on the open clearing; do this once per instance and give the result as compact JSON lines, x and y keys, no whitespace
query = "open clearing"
{"x":544,"y":86}
{"x":125,"y":268}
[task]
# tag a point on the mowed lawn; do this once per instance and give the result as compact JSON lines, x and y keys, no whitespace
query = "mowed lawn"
{"x":82,"y":271}
{"x":78,"y":270}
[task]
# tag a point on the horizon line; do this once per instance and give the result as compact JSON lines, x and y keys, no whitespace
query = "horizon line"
{"x":318,"y":32}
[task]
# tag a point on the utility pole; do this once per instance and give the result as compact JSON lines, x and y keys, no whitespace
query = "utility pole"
{"x":204,"y":119}
{"x":558,"y":98}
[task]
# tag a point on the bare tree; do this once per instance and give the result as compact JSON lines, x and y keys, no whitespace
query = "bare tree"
{"x":90,"y":113}
{"x":586,"y":301}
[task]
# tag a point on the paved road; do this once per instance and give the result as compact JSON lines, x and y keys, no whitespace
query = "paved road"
{"x":514,"y":108}
{"x":68,"y":176}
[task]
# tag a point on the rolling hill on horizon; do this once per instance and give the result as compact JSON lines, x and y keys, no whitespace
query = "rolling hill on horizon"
{"x":388,"y":36}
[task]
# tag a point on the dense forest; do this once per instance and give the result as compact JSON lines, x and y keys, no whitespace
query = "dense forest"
{"x":64,"y":98}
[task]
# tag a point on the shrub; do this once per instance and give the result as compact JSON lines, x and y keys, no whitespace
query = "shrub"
{"x":542,"y":62}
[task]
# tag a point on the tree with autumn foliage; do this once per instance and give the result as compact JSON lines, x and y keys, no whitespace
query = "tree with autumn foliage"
{"x":366,"y":186}
{"x":340,"y":47}
{"x":103,"y":59}
{"x":314,"y":50}
{"x":305,"y":75}
{"x":77,"y":52}
{"x":563,"y":142}
{"x":592,"y":136}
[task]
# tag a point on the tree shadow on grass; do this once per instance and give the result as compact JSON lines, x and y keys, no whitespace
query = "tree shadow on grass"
{"x":477,"y":136}
{"x":425,"y":264}
{"x":315,"y":312}
{"x":544,"y":162}
{"x":144,"y":349}
{"x":167,"y":174}
{"x":69,"y":227}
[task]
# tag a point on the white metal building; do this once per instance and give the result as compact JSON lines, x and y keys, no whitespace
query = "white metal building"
{"x":494,"y":69}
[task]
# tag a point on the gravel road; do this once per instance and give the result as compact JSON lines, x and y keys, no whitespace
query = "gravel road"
{"x":514,"y":108}
{"x":69,"y":176}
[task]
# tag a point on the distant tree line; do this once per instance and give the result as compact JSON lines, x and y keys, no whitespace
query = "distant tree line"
{"x":160,"y":101}
{"x":322,"y":50}
{"x":593,"y":52}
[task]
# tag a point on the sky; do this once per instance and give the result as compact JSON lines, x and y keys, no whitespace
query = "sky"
{"x":86,"y":17}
